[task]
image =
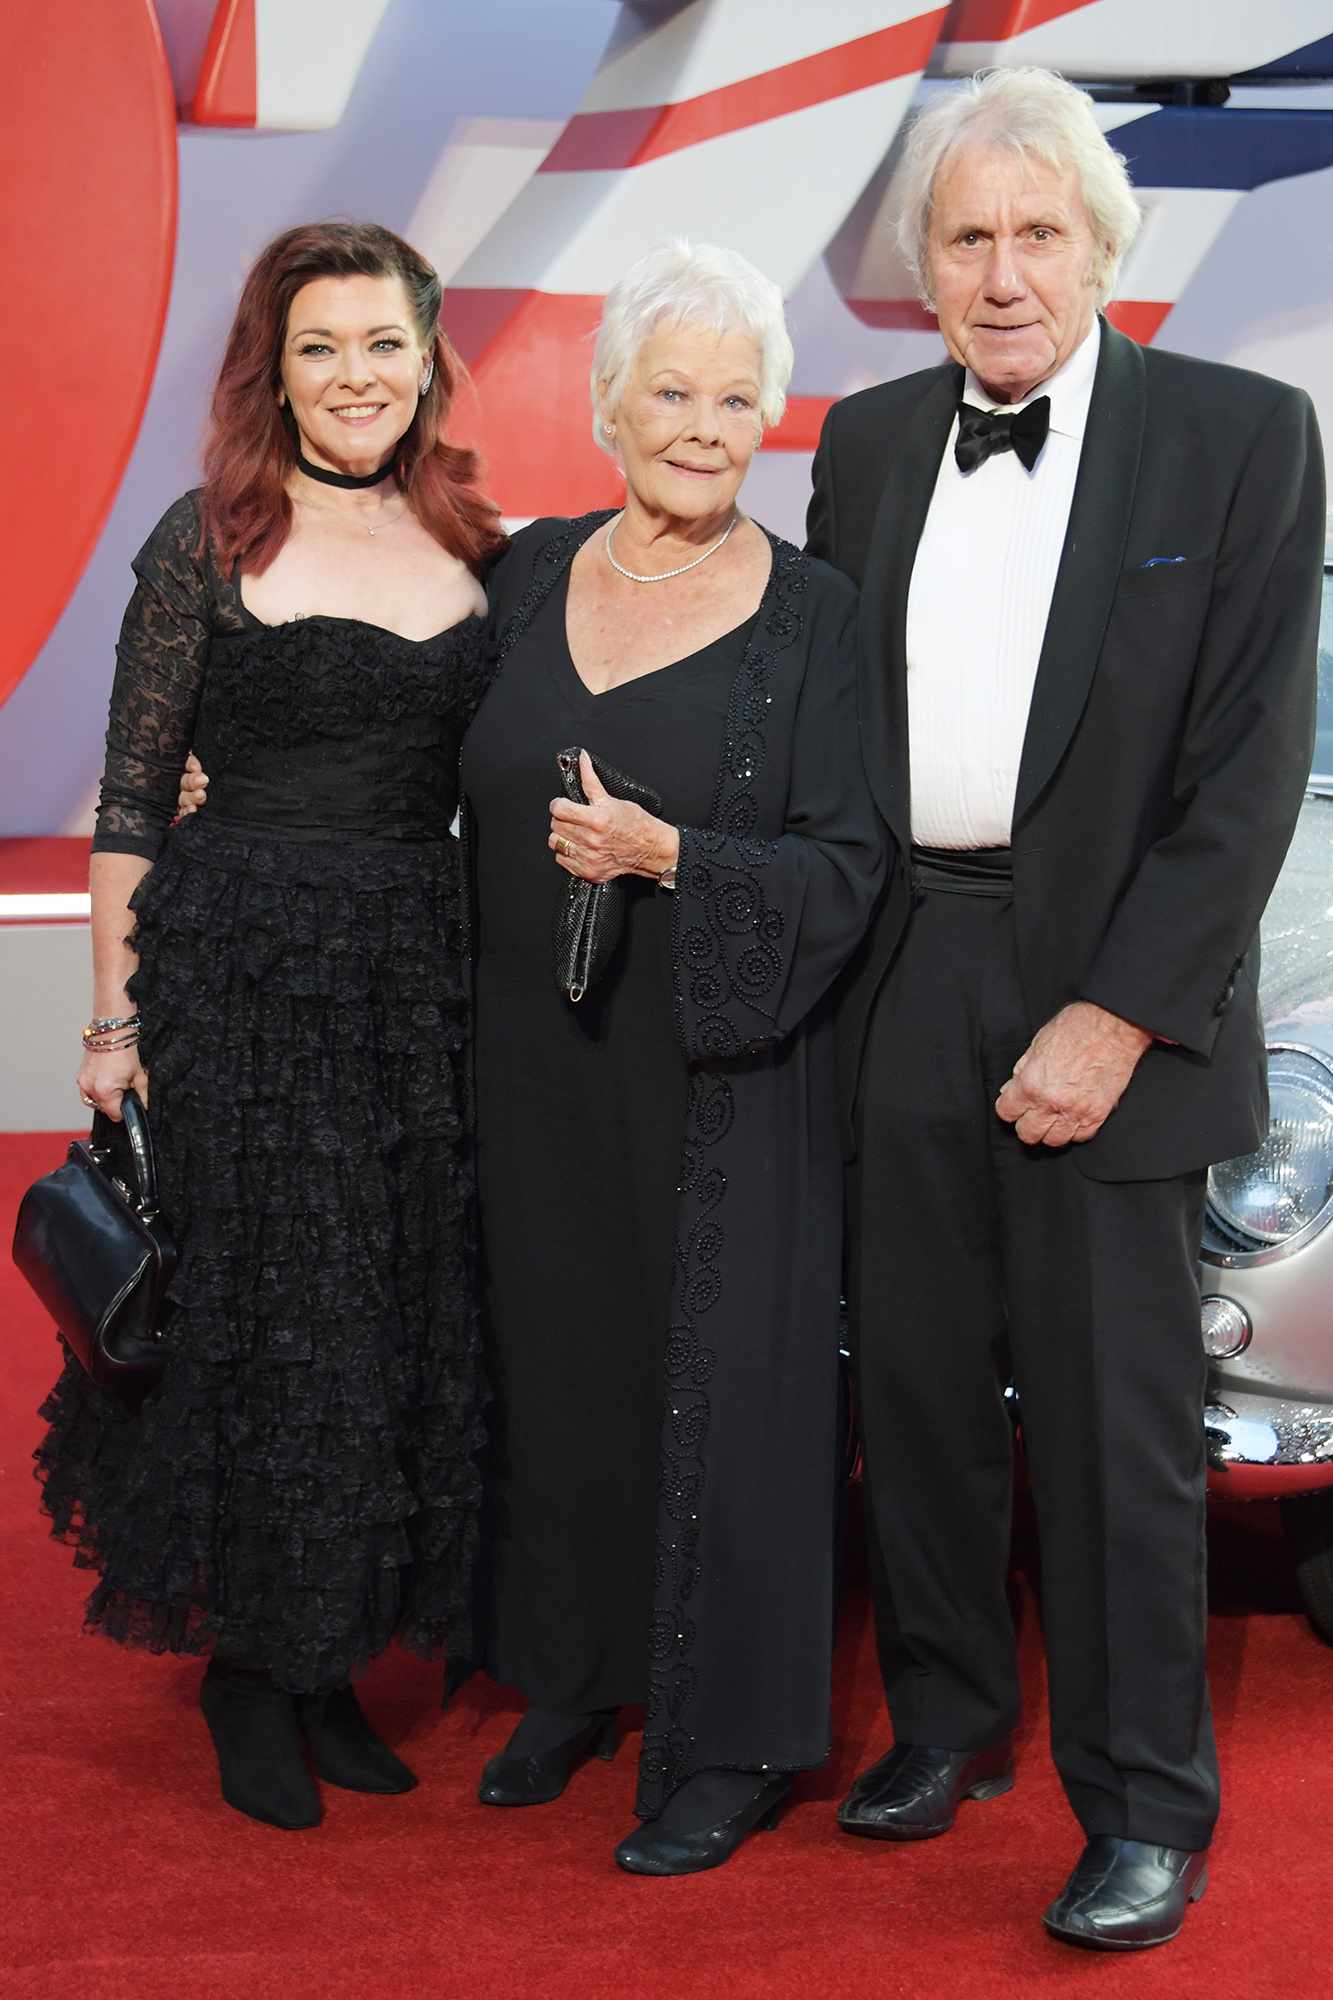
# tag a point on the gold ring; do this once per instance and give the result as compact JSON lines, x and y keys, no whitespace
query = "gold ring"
{"x":566,"y":846}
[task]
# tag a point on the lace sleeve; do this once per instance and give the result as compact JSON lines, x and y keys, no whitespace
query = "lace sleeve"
{"x":159,"y":673}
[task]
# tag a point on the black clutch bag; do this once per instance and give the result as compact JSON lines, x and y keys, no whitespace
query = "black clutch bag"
{"x":589,"y":916}
{"x":91,"y":1243}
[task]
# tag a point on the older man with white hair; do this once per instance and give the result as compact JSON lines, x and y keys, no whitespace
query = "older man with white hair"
{"x":1090,"y":579}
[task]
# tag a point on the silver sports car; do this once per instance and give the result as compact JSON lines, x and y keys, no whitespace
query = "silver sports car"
{"x":1267,"y":1265}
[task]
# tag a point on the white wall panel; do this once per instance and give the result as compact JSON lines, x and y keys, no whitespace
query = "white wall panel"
{"x":308,"y":54}
{"x":713,"y":43}
{"x":577,"y":232}
{"x":1121,"y":40}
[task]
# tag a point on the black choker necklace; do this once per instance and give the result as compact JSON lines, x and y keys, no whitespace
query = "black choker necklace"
{"x":348,"y":480}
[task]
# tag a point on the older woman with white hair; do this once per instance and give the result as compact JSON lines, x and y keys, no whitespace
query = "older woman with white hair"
{"x":659,"y":1159}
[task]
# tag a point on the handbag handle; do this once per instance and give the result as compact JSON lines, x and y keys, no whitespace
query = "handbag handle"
{"x":143,"y":1165}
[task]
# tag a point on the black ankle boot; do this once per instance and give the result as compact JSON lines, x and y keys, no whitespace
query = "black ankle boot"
{"x":344,"y":1748}
{"x":543,"y":1754}
{"x":261,"y":1758}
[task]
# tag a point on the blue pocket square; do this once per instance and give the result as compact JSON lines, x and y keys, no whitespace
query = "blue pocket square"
{"x":1155,"y":562}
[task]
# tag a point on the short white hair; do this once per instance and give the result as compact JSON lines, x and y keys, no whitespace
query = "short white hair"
{"x":1030,"y":111}
{"x":696,"y":284}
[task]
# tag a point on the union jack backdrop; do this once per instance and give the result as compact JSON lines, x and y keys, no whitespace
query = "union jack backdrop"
{"x":770,"y":127}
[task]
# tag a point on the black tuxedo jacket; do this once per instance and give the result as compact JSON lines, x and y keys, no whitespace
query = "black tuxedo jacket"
{"x":1170,"y":732}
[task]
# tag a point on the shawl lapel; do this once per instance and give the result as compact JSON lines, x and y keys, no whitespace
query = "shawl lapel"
{"x":1090,"y":564}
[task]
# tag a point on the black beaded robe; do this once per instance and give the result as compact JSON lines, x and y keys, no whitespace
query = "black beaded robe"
{"x":735,"y":1589}
{"x":304,"y":1483}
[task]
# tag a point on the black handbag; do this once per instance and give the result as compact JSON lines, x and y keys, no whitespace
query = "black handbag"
{"x":589,"y":916}
{"x":91,"y":1243}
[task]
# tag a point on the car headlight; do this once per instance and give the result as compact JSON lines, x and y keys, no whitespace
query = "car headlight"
{"x":1270,"y":1195}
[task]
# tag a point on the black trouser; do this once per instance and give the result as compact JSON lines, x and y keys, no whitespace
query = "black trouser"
{"x":974,"y":1254}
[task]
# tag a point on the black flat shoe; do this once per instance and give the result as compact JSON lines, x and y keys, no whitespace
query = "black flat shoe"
{"x":914,"y":1793}
{"x":1126,"y":1895}
{"x":538,"y":1779}
{"x":344,"y":1748}
{"x":652,"y":1851}
{"x":261,"y":1758}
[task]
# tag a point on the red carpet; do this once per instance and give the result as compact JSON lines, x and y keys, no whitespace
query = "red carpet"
{"x":124,"y":1876}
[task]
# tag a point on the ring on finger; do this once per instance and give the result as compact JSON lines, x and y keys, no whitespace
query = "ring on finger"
{"x":564,"y":846}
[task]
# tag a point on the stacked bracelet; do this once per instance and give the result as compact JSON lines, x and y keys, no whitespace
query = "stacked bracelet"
{"x":114,"y":1032}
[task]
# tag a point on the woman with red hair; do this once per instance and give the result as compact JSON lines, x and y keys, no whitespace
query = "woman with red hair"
{"x":284,"y":971}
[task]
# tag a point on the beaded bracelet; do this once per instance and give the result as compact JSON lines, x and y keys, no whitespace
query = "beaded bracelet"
{"x":92,"y":1035}
{"x":97,"y":1045}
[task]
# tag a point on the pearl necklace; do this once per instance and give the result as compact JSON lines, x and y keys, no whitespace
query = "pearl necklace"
{"x":663,"y":575}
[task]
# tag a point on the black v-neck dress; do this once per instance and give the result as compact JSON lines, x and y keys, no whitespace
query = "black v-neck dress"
{"x":660,"y":1174}
{"x":581,"y":1117}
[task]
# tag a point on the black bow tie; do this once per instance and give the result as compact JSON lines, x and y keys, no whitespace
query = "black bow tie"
{"x":980,"y":432}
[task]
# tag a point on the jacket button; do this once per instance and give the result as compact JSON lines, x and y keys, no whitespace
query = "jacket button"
{"x":1225,"y":1000}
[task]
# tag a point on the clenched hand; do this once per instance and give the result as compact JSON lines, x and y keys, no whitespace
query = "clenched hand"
{"x":609,"y":836}
{"x":1072,"y":1076}
{"x":193,"y":787}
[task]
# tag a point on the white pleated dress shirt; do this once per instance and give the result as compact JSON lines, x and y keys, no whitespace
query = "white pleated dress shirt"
{"x":976,"y":614}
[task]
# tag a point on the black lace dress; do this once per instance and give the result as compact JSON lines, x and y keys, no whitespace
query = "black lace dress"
{"x":303,"y":1485}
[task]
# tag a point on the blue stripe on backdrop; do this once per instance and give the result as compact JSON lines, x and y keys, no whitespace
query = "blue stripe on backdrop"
{"x":1224,"y":147}
{"x":1314,"y":60}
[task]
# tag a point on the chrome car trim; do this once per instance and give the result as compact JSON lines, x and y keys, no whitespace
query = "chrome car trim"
{"x":1272,"y":1253}
{"x":1207,"y":1299}
{"x":1267,"y":1432}
{"x":1234,"y":1481}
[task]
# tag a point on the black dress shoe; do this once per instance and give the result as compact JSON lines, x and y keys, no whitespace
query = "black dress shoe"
{"x":535,"y":1780}
{"x":914,"y":1792}
{"x":261,"y":1758}
{"x":345,"y":1749}
{"x":1125,"y":1895}
{"x":652,"y":1850}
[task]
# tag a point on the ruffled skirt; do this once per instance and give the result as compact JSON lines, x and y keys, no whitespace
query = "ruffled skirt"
{"x":303,"y":1484}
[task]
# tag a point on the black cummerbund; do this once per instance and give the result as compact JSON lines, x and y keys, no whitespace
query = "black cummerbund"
{"x":964,"y":871}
